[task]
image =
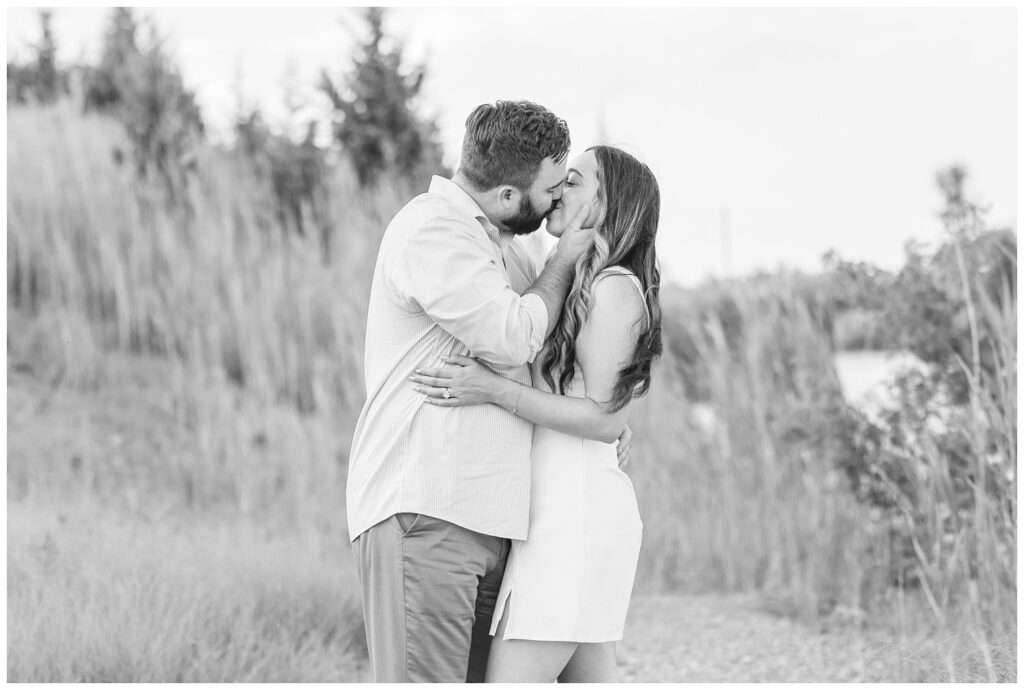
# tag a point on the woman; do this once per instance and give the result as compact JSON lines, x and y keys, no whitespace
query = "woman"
{"x":566,"y":590}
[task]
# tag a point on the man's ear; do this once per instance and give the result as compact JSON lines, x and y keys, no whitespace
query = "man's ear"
{"x":509,"y":198}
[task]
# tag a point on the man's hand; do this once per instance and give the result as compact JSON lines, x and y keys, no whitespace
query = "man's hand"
{"x":623,"y":448}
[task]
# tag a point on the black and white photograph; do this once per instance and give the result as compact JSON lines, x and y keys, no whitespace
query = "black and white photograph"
{"x":582,"y":344}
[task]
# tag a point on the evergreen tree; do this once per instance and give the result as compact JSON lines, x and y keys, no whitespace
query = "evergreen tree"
{"x":46,"y":61}
{"x":140,"y":86}
{"x":40,"y":80}
{"x":375,"y":117}
{"x":120,"y":47}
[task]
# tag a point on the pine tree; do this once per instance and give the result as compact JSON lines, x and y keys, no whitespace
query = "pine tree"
{"x":49,"y":79}
{"x":375,"y":116}
{"x":141,"y":87}
{"x":41,"y":80}
{"x":120,"y":47}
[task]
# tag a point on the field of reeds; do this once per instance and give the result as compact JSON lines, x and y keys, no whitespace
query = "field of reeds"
{"x":185,"y":375}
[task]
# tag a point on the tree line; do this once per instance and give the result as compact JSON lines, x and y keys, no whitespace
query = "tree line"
{"x":374,"y":105}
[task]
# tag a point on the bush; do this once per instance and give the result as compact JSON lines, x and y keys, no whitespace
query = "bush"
{"x":295,"y":174}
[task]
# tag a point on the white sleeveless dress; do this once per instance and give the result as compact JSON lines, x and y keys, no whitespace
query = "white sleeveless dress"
{"x":572,"y":578}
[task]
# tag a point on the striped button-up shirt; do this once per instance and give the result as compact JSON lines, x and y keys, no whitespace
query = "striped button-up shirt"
{"x":446,"y":282}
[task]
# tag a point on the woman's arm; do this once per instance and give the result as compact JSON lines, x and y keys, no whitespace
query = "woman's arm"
{"x":582,"y":417}
{"x":605,"y":344}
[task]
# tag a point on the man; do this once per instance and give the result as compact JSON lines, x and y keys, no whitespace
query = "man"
{"x":434,"y":494}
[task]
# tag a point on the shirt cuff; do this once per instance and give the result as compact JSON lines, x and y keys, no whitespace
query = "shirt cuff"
{"x":533,"y":305}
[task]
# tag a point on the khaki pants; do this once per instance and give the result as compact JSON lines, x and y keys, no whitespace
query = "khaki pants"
{"x":429,"y":589}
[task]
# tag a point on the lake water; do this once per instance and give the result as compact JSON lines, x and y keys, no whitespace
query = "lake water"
{"x":864,"y":375}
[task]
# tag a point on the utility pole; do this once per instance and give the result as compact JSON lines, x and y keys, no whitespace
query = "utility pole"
{"x":602,"y":126}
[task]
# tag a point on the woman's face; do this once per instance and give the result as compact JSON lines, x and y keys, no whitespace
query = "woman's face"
{"x":581,"y":187}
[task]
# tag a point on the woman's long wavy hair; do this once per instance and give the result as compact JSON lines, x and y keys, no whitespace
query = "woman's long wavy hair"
{"x":624,"y":237}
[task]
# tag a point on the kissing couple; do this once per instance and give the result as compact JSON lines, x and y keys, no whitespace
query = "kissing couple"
{"x":495,"y":534}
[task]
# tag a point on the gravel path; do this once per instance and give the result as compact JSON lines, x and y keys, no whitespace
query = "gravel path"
{"x":729,"y":638}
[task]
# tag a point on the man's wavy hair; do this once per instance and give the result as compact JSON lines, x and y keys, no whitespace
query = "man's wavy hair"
{"x":624,"y":237}
{"x":506,"y":142}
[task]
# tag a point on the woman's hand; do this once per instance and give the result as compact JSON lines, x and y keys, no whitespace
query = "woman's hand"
{"x":625,"y":441}
{"x":467,"y":382}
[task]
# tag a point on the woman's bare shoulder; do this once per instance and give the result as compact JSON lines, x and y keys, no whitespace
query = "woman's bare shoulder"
{"x":616,"y":291}
{"x":615,"y":304}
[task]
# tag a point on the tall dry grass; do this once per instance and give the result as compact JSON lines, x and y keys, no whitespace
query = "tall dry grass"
{"x":216,"y":362}
{"x":739,"y":490}
{"x":95,"y":598}
{"x":751,"y":489}
{"x":225,"y":297}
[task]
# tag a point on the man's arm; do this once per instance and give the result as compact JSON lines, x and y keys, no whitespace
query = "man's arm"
{"x":449,"y":269}
{"x":553,"y":284}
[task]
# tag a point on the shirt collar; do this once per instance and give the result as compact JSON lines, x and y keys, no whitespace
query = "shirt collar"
{"x":461,"y":199}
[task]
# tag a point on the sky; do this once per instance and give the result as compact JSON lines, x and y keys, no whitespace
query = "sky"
{"x":776,"y":134}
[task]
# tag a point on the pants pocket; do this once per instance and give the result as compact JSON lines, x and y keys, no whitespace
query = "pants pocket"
{"x":406,"y":522}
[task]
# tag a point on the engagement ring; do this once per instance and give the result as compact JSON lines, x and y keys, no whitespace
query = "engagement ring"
{"x":447,"y":394}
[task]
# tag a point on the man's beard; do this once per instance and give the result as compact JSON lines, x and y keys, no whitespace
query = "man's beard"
{"x":527,"y":218}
